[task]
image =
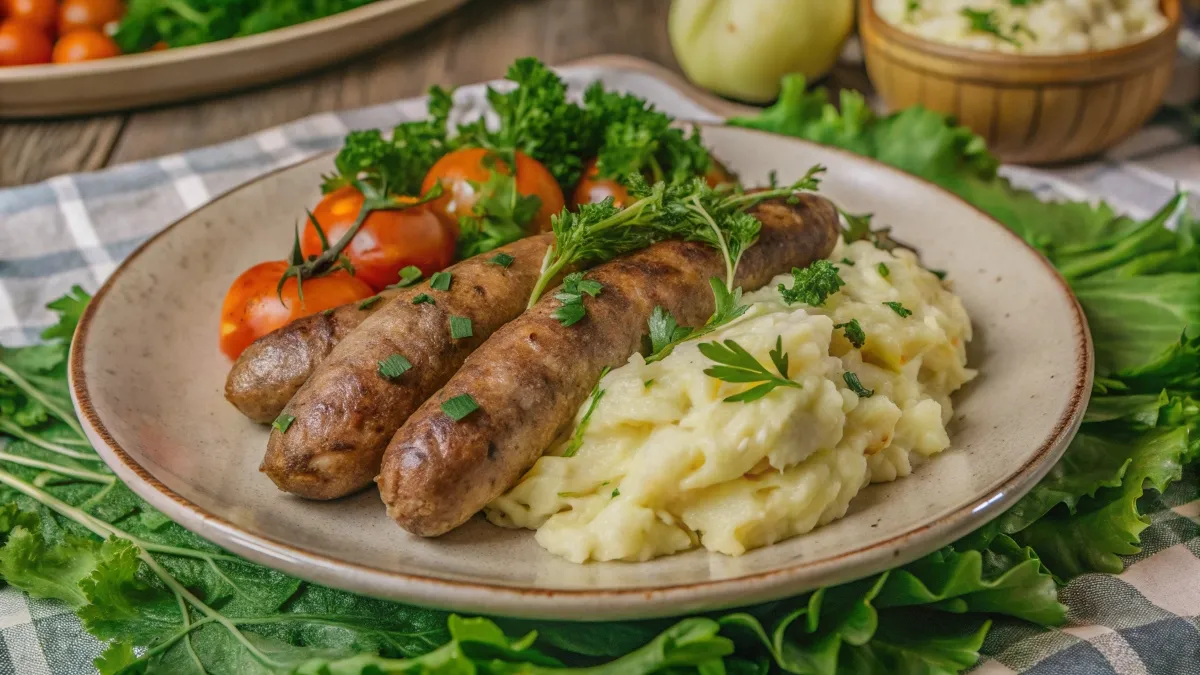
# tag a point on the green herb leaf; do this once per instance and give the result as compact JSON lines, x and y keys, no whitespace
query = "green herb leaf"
{"x":665,"y":331}
{"x":987,"y":22}
{"x":570,"y":297}
{"x":856,"y":386}
{"x":739,"y":366}
{"x":408,"y":276}
{"x":616,"y":493}
{"x":440,"y":281}
{"x":593,"y":401}
{"x":883,"y":270}
{"x":502,"y":259}
{"x":899,"y":309}
{"x":847,"y":261}
{"x":70,"y":309}
{"x":423,"y":298}
{"x":394,"y":366}
{"x":282,"y":422}
{"x":460,"y":327}
{"x":729,"y":307}
{"x":500,"y":215}
{"x":458,"y":407}
{"x":369,"y":302}
{"x":813,"y":284}
{"x":854,"y":333}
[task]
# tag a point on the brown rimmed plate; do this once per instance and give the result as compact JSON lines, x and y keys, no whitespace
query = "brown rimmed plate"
{"x":147,"y":378}
{"x":152,"y":78}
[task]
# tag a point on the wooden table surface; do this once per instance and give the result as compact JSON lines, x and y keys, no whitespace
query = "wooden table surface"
{"x":475,"y":43}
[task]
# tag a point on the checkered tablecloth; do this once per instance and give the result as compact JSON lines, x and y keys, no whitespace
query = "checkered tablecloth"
{"x":75,"y":229}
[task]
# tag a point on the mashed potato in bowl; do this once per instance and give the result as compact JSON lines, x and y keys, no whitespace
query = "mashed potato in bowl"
{"x":666,"y":464}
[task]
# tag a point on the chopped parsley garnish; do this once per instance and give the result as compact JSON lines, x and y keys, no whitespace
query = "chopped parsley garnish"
{"x":738,"y":365}
{"x":574,"y":287}
{"x":648,"y":382}
{"x":813,"y":284}
{"x":986,"y":22}
{"x":577,"y":437}
{"x":883,"y":270}
{"x":847,"y":261}
{"x":502,"y":259}
{"x":616,"y":493}
{"x":440,"y":281}
{"x":369,"y":302}
{"x":854,"y":333}
{"x":459,"y":406}
{"x":940,"y":274}
{"x":899,"y":309}
{"x":460,"y":327}
{"x":394,"y":366}
{"x":328,"y":312}
{"x":856,"y":386}
{"x":282,"y":422}
{"x":423,"y":298}
{"x":666,"y":333}
{"x":408,"y":276}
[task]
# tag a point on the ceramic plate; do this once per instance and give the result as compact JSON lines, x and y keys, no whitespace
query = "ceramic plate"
{"x":151,"y":78}
{"x":147,"y":379}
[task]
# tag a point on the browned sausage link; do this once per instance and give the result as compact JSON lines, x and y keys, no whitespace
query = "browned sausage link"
{"x":533,"y":374}
{"x":346,"y":413}
{"x":271,"y":370}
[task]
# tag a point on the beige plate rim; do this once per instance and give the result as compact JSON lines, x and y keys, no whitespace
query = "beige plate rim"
{"x":617,"y":604}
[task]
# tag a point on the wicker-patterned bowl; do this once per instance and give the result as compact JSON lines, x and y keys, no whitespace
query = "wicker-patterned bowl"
{"x":1031,"y":109}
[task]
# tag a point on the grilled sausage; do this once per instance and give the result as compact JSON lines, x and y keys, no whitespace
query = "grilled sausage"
{"x":270,"y":371}
{"x":347,"y":411}
{"x":533,"y":374}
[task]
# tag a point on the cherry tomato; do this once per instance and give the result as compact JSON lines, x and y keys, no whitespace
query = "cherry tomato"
{"x":593,"y":189}
{"x":387,"y":242}
{"x":22,"y":44}
{"x":252,"y":307}
{"x":39,"y":13}
{"x":457,"y":170}
{"x":76,"y":14}
{"x":86,"y":44}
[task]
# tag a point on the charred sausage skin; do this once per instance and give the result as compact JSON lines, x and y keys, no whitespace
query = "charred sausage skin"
{"x":533,"y":374}
{"x":272,"y":369}
{"x":346,"y":412}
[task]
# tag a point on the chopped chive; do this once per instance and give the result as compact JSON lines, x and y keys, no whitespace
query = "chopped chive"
{"x":883,"y":270}
{"x":394,"y":366}
{"x":502,"y":259}
{"x":847,"y":261}
{"x":283,"y":422}
{"x":423,"y":298}
{"x":440,"y":281}
{"x":460,"y":406}
{"x":369,"y":302}
{"x":460,"y":327}
{"x":408,"y":276}
{"x":856,"y":385}
{"x":616,"y":493}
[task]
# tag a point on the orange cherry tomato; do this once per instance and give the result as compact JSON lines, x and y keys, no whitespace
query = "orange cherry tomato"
{"x":23,"y":44}
{"x":386,"y":243}
{"x":457,"y":170}
{"x":86,"y":44}
{"x":38,"y":13}
{"x":252,"y":307}
{"x":593,"y":189}
{"x":76,"y":14}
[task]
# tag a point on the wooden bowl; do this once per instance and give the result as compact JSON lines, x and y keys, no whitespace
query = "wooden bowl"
{"x":1030,"y":109}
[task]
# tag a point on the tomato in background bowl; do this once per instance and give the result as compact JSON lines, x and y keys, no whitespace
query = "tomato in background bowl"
{"x":23,"y":44}
{"x":388,"y":241}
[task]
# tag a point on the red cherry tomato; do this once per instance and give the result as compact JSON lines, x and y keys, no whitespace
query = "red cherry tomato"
{"x":86,"y":44}
{"x":593,"y":189}
{"x":38,"y":13}
{"x":252,"y":307}
{"x":74,"y":15}
{"x":23,"y":44}
{"x":457,"y":170}
{"x":386,"y":243}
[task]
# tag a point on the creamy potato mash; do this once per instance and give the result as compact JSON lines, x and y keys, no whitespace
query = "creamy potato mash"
{"x":666,"y":465}
{"x":1029,"y":26}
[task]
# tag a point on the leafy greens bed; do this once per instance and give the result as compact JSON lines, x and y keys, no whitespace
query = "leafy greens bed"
{"x":170,"y":602}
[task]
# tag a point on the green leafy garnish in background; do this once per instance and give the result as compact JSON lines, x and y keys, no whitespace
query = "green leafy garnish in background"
{"x":169,"y":602}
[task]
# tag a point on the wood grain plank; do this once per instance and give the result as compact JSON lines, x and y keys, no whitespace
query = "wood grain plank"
{"x":477,"y":42}
{"x":35,"y":151}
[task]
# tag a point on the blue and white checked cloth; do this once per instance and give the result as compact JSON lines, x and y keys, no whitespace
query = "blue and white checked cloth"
{"x":76,"y":229}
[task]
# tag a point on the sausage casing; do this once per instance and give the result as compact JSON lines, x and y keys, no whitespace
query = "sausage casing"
{"x":347,"y":411}
{"x":531,"y":377}
{"x":271,"y":370}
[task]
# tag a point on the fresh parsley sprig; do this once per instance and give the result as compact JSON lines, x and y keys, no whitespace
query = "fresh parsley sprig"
{"x":812,"y":285}
{"x":740,"y":366}
{"x":666,"y":333}
{"x":574,"y":287}
{"x":854,"y":333}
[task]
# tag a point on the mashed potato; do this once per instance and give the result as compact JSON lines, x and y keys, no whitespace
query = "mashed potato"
{"x":1032,"y":27}
{"x":666,"y":465}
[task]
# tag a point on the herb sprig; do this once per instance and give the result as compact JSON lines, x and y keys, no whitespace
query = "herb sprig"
{"x":740,"y":366}
{"x":812,"y":285}
{"x":666,"y":333}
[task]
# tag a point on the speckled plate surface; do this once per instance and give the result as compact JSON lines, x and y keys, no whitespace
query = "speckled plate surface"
{"x":147,"y":379}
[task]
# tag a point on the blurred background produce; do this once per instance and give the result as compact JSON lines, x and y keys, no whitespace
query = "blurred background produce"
{"x":741,"y":48}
